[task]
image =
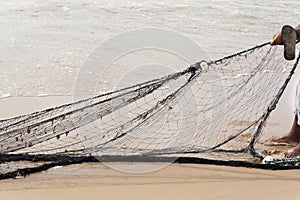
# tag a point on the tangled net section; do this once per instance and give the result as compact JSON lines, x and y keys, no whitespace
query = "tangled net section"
{"x":212,"y":110}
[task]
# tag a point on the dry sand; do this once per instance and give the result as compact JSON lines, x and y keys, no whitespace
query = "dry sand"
{"x":177,"y":181}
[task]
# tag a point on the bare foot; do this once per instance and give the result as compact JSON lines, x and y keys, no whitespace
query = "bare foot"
{"x":293,"y":137}
{"x":286,"y":139}
{"x":293,"y":152}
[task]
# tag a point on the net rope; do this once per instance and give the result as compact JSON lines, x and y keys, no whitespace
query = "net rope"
{"x":213,"y":110}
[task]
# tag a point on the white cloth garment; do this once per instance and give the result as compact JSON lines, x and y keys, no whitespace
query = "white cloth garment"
{"x":297,"y":102}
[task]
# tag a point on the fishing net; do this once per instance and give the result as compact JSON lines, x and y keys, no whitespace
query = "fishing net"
{"x":212,"y":111}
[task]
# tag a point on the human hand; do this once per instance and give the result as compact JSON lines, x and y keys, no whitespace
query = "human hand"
{"x":276,"y":40}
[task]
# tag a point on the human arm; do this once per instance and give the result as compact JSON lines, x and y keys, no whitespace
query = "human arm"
{"x":276,"y":40}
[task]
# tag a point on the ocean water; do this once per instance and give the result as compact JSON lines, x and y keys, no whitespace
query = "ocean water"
{"x":43,"y":44}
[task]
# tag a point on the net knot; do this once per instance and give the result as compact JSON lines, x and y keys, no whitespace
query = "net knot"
{"x":201,"y":66}
{"x":271,"y":107}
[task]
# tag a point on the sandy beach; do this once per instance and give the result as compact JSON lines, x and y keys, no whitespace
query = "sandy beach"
{"x":44,"y":49}
{"x":177,"y":181}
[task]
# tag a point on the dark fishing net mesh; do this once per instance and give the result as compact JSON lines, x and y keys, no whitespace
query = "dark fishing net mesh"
{"x":212,"y":110}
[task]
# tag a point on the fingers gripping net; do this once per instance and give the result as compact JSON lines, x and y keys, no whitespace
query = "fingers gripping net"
{"x":211,"y":107}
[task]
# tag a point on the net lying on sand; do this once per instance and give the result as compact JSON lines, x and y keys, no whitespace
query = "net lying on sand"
{"x":211,"y":112}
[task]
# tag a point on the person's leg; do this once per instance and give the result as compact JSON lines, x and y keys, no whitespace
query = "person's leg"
{"x":293,"y":137}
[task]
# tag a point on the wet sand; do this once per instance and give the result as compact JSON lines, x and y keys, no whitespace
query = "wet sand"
{"x":177,"y":181}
